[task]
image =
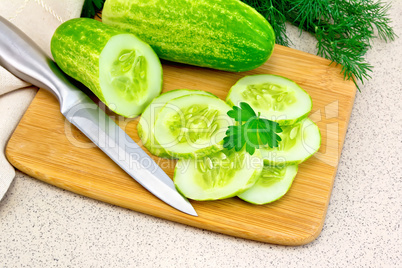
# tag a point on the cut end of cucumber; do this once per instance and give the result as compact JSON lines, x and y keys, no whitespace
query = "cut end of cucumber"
{"x":130,"y":74}
{"x":217,"y":176}
{"x":276,"y":98}
{"x":299,"y":142}
{"x":272,"y":184}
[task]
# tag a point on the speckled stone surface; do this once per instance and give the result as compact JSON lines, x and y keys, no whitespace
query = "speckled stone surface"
{"x":43,"y":226}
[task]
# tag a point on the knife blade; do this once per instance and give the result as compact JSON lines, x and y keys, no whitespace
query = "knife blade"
{"x":23,"y":58}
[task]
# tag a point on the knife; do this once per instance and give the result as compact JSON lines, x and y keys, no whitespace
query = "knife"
{"x":23,"y":58}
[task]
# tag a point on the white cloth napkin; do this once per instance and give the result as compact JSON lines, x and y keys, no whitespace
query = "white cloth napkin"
{"x":38,"y":19}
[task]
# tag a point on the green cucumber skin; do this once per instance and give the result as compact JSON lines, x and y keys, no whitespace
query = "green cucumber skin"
{"x":76,"y":46}
{"x":221,"y":34}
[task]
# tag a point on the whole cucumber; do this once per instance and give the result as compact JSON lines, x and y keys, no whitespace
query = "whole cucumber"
{"x":221,"y":34}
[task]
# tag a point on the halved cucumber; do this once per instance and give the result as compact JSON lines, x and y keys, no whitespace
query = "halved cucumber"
{"x":277,"y":98}
{"x":217,"y":176}
{"x":146,"y":125}
{"x":119,"y":68}
{"x":273,"y":183}
{"x":299,"y":142}
{"x":192,"y":126}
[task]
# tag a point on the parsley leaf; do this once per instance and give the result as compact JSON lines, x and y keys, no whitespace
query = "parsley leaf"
{"x":91,"y":7}
{"x":252,"y":136}
{"x":267,"y":132}
{"x":255,"y":131}
{"x":234,"y":137}
{"x":244,"y":113}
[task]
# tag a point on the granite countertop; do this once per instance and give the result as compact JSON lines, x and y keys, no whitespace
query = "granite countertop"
{"x":44,"y":226}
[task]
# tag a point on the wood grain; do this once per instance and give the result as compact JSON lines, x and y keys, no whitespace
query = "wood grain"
{"x":47,"y":147}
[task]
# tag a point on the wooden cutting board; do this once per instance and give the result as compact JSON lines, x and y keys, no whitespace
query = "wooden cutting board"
{"x":47,"y":147}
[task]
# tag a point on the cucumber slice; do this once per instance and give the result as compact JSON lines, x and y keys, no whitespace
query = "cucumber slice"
{"x":221,"y":175}
{"x":275,"y":97}
{"x":299,"y":142}
{"x":273,"y":183}
{"x":146,"y":124}
{"x":130,"y":74}
{"x":192,"y":126}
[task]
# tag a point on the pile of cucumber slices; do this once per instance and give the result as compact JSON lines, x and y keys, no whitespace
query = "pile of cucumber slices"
{"x":190,"y":125}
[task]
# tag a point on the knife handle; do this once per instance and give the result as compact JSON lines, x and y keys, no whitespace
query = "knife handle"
{"x":22,"y":57}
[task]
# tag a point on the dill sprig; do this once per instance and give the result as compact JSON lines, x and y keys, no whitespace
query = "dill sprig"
{"x":344,"y":28}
